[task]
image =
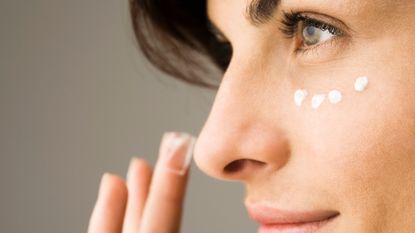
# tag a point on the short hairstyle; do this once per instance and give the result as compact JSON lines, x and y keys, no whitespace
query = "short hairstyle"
{"x":174,"y":35}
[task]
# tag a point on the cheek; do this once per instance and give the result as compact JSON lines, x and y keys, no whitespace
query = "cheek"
{"x":365,"y":148}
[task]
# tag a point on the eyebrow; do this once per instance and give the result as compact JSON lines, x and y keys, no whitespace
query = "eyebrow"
{"x":257,"y":12}
{"x":261,"y":11}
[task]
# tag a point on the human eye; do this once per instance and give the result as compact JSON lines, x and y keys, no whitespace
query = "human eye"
{"x":308,"y":31}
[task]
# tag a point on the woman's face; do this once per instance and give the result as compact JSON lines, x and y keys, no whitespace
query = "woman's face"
{"x":355,"y":158}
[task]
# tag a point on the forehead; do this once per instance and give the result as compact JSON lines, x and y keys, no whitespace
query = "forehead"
{"x":345,"y":8}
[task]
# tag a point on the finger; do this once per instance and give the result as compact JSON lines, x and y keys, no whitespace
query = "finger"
{"x":108,"y":213}
{"x":138,"y":183}
{"x":162,"y":212}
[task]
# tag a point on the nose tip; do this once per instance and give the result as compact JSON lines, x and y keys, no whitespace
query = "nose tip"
{"x":245,"y":135}
{"x":240,"y":153}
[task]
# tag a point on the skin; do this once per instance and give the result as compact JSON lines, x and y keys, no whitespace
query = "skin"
{"x":149,"y":201}
{"x":356,"y":157}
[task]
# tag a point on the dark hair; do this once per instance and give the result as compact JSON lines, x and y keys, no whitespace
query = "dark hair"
{"x":174,"y":36}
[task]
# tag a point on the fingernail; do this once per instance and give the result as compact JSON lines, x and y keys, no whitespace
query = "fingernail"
{"x":176,"y":151}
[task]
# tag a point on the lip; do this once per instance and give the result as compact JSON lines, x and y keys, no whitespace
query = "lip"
{"x":282,"y":221}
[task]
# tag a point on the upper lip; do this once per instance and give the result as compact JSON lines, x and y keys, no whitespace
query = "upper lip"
{"x":265,"y":215}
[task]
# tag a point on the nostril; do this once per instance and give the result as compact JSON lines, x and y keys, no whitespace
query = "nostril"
{"x":235,"y":166}
{"x":241,"y":164}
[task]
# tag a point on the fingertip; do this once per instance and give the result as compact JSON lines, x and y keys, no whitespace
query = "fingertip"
{"x":176,"y":151}
{"x":136,"y":161}
{"x":112,"y":187}
{"x":110,"y":206}
{"x":138,"y":165}
{"x":143,"y":165}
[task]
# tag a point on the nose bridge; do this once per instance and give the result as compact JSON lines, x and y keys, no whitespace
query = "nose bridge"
{"x":239,"y":134}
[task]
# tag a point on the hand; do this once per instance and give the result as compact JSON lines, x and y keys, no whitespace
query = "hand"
{"x":148,"y":202}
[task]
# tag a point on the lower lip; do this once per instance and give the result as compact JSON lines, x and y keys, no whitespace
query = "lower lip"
{"x":311,"y":227}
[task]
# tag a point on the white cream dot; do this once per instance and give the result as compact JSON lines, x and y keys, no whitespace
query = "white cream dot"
{"x":317,"y":100}
{"x":335,"y":96}
{"x":361,"y":83}
{"x":299,"y":97}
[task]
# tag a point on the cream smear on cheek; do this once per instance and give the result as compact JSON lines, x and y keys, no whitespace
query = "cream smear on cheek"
{"x":317,"y":100}
{"x":334,"y":96}
{"x":361,"y":83}
{"x":299,"y":97}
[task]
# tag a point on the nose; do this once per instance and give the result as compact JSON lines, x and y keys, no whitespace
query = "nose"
{"x":239,"y":140}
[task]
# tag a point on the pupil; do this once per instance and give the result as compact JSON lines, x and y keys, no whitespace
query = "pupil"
{"x":311,"y":35}
{"x":310,"y":30}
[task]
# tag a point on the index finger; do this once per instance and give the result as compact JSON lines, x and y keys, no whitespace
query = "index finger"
{"x":163,"y":209}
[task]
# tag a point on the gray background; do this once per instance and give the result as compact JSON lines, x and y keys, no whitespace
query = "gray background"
{"x":77,"y":100}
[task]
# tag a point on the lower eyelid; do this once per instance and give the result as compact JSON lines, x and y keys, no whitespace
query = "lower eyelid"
{"x":332,"y":44}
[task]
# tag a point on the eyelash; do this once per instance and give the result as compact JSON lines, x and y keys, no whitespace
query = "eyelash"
{"x":291,"y":21}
